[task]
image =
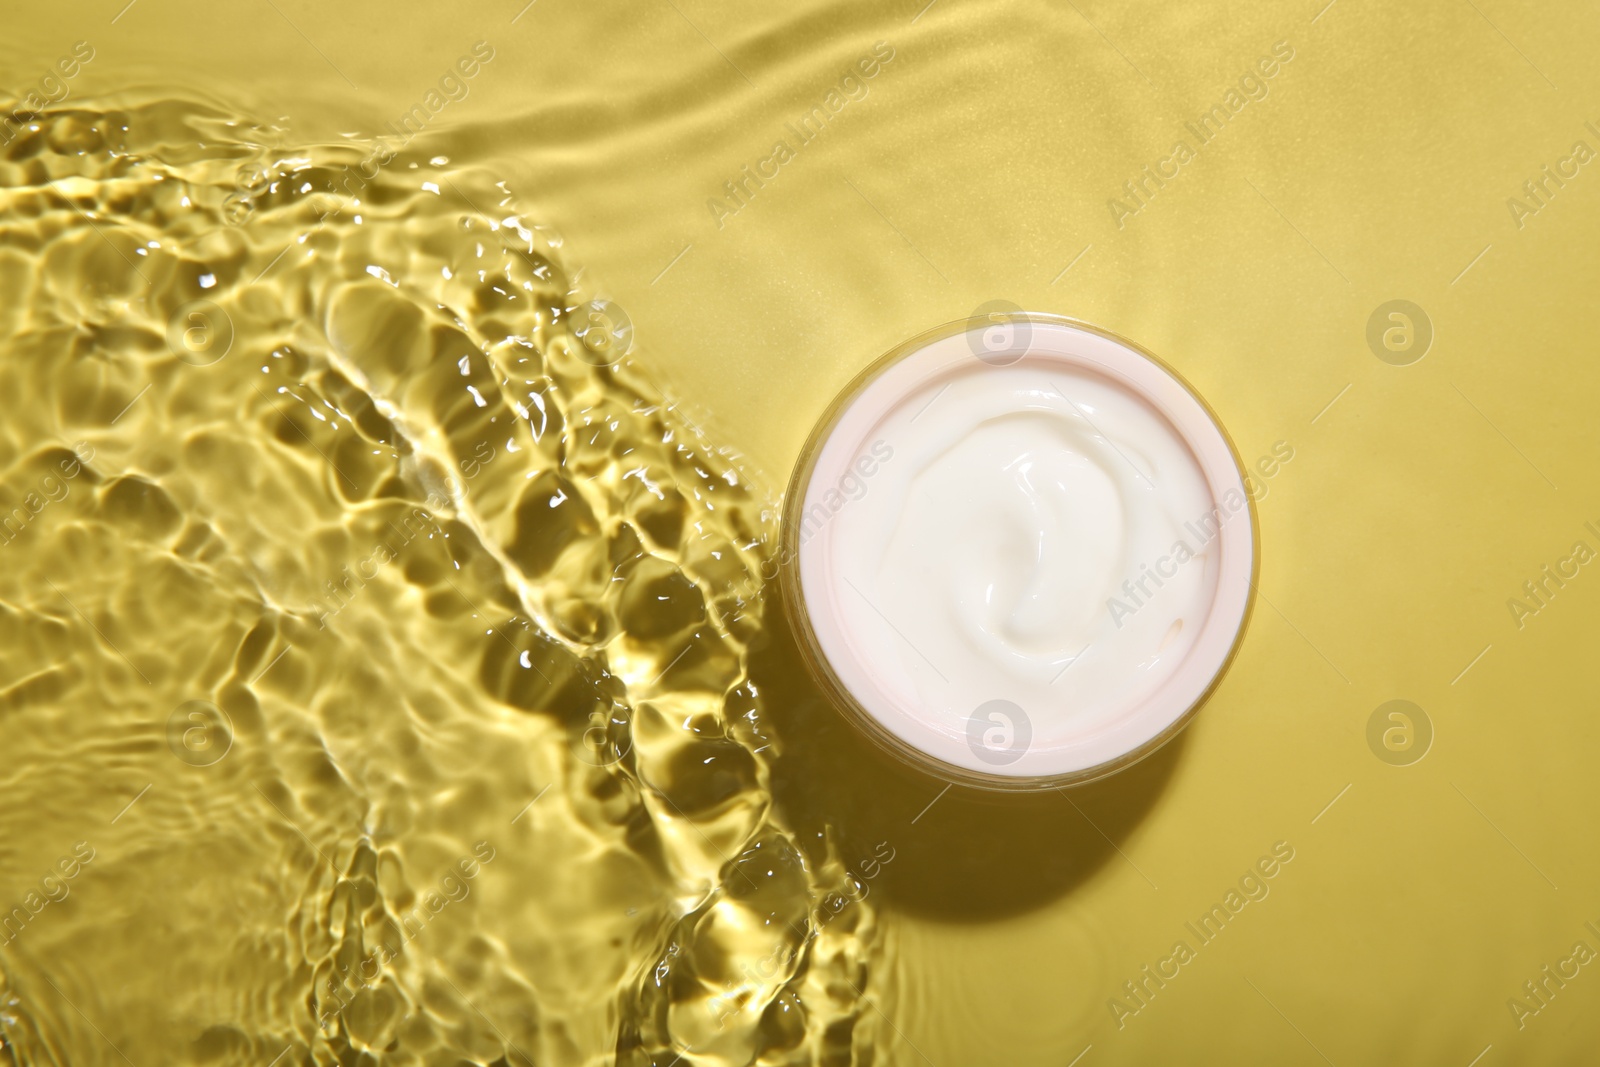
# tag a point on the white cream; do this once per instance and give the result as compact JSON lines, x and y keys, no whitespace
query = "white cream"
{"x":1009,"y":567}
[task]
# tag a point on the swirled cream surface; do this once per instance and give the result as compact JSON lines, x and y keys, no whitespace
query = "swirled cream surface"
{"x":1009,"y":566}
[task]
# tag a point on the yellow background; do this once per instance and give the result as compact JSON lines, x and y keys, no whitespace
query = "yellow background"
{"x":978,"y":167}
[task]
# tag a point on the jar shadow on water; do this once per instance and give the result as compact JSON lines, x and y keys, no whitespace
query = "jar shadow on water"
{"x":953,"y":853}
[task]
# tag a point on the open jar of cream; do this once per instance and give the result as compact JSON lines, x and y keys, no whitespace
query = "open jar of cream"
{"x":1018,"y":552}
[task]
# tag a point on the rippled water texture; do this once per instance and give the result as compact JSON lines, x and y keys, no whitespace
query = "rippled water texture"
{"x":375,"y":638}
